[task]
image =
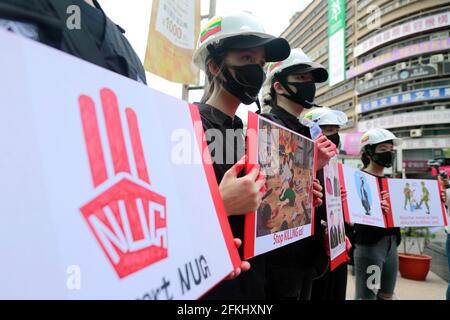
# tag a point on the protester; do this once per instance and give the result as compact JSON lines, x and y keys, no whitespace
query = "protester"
{"x":445,"y":186}
{"x":232,"y":50}
{"x":376,"y":246}
{"x":288,"y":90}
{"x":333,"y":285}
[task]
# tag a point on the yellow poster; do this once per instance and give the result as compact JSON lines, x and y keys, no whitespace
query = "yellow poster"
{"x":174,"y":29}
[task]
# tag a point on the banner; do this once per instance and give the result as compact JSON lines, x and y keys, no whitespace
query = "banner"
{"x":289,"y":163}
{"x":336,"y":41}
{"x":407,"y":119}
{"x":398,"y":54}
{"x":335,"y":214}
{"x":385,"y":80}
{"x":173,"y":33}
{"x":93,"y":205}
{"x":440,"y":20}
{"x":363,"y":203}
{"x":350,"y":143}
{"x":426,"y":94}
{"x":415,"y":203}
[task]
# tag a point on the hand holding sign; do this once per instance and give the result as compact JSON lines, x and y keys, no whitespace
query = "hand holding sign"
{"x":245,"y":265}
{"x":242,"y":195}
{"x":326,"y":151}
{"x":343,"y":194}
{"x":317,"y":193}
{"x":385,"y":202}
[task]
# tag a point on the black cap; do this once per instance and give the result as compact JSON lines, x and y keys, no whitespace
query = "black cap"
{"x":276,"y":49}
{"x":319,"y":73}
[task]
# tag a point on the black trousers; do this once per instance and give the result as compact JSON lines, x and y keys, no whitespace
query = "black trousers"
{"x":289,"y":283}
{"x":332,"y":286}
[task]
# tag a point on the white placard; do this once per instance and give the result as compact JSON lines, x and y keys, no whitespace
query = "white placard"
{"x":335,"y":214}
{"x":416,"y":203}
{"x":92,"y":205}
{"x":363,"y":197}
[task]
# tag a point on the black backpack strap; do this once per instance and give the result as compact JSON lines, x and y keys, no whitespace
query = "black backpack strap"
{"x":36,"y":12}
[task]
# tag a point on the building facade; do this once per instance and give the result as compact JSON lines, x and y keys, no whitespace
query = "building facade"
{"x":397,"y":70}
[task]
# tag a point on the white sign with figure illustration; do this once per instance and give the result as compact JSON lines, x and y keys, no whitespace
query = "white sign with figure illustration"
{"x":415,"y":203}
{"x":363,"y":204}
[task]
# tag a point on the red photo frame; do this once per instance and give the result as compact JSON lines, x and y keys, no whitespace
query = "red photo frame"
{"x":252,"y":160}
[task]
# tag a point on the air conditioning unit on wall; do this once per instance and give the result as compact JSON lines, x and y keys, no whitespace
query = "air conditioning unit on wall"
{"x":437,"y":58}
{"x":401,"y":66}
{"x":415,"y":133}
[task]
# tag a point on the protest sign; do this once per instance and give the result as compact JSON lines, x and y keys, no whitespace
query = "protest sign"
{"x":363,"y":203}
{"x":92,"y":204}
{"x":335,"y":214}
{"x":289,"y":163}
{"x":415,"y":203}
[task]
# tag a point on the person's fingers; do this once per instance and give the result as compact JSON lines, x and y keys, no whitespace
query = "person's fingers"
{"x":325,"y":145}
{"x":237,"y":242}
{"x":322,"y":139}
{"x":253,"y":173}
{"x":317,"y":186}
{"x":332,"y":153}
{"x":317,"y":194}
{"x":259,"y":184}
{"x":237,"y":272}
{"x":231,"y":276}
{"x":237,"y":167}
{"x":318,"y":202}
{"x":245,"y":266}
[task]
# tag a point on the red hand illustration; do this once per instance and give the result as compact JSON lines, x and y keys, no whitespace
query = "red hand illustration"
{"x":128,"y":219}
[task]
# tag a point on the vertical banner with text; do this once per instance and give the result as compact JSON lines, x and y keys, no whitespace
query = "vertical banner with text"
{"x":174,"y":28}
{"x":336,"y":41}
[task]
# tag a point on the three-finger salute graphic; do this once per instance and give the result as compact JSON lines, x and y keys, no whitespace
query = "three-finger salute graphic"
{"x":128,"y":219}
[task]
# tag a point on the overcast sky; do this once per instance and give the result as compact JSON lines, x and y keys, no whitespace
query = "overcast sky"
{"x":134,"y":17}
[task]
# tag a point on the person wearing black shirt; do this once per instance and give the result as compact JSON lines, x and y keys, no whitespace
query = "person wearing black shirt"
{"x":98,"y":40}
{"x":333,"y":284}
{"x":288,"y":90}
{"x":376,"y":246}
{"x":232,"y":51}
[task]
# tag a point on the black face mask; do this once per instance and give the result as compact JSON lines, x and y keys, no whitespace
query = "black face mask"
{"x":335,"y":138}
{"x":385,"y":159}
{"x":304,"y":95}
{"x":246,"y":84}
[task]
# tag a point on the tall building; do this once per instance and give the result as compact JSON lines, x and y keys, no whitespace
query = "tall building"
{"x":395,"y":74}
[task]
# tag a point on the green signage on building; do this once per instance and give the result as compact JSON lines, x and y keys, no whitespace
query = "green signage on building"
{"x":336,"y":41}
